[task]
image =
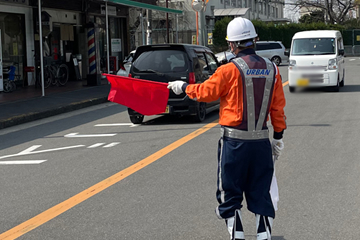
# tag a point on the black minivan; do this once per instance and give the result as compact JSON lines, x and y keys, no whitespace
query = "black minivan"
{"x":170,"y":62}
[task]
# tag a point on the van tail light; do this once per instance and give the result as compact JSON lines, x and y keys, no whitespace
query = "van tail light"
{"x":191,"y":78}
{"x":129,"y":75}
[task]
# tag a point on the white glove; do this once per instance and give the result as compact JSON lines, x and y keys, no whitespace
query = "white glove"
{"x":176,"y":86}
{"x":277,"y":145}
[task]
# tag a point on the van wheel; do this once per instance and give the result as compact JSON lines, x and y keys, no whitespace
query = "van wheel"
{"x":200,"y":112}
{"x":291,"y":89}
{"x":342,"y":83}
{"x":136,"y":119}
{"x":276,"y":60}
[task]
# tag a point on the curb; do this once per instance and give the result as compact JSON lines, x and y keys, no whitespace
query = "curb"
{"x":24,"y":118}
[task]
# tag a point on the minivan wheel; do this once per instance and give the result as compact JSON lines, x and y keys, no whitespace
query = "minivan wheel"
{"x":276,"y":60}
{"x":291,"y":89}
{"x":200,"y":112}
{"x":136,"y":119}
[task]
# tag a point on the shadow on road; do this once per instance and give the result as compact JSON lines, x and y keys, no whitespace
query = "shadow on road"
{"x":346,"y":88}
{"x":350,"y":88}
{"x":272,"y":237}
{"x":278,"y":238}
{"x":310,"y":125}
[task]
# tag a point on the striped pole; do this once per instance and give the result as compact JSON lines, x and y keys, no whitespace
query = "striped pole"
{"x":91,"y":51}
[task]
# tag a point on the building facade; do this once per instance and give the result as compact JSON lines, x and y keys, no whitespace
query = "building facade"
{"x":66,"y":26}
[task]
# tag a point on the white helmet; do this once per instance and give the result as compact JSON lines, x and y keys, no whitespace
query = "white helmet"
{"x":240,"y":29}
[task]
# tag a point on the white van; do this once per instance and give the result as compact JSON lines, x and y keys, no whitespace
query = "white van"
{"x":316,"y":59}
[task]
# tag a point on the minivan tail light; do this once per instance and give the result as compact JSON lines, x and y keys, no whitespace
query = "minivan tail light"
{"x":191,"y":78}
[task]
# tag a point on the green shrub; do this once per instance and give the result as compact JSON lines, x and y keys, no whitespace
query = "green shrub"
{"x":278,"y":32}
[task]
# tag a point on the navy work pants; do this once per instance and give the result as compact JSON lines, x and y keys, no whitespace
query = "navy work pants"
{"x":245,"y":167}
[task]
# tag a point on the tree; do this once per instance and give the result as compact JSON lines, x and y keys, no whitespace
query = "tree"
{"x":336,"y":11}
{"x":313,"y":17}
{"x":219,"y":34}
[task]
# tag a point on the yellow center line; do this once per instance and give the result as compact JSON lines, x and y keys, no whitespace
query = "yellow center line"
{"x":60,"y":208}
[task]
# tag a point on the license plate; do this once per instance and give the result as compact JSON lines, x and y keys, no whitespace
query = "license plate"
{"x":302,"y":82}
{"x":167,"y":109}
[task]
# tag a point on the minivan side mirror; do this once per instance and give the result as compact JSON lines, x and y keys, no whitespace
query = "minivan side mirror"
{"x":341,"y":52}
{"x":287,"y":52}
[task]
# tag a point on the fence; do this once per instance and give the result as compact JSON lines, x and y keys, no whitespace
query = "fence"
{"x":351,"y":42}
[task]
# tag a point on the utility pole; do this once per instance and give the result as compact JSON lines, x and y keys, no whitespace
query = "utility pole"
{"x":167,"y":24}
{"x":148,"y":30}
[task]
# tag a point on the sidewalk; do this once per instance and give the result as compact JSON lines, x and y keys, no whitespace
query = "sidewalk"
{"x":26,"y":104}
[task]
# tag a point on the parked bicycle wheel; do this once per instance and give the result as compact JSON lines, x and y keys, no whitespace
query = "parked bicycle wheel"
{"x":47,"y":78}
{"x":63,"y":74}
{"x":13,"y":85}
{"x":53,"y":72}
{"x":7,"y":86}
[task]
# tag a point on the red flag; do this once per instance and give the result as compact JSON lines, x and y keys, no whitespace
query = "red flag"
{"x":143,"y":96}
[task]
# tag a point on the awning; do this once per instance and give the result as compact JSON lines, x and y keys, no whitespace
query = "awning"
{"x":145,"y":6}
{"x":230,"y":12}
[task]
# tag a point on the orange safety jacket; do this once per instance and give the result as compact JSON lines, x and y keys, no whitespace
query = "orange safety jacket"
{"x":226,"y":84}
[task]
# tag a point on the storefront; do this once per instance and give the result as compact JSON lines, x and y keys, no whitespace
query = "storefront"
{"x":117,"y":18}
{"x":17,"y":45}
{"x":62,"y":38}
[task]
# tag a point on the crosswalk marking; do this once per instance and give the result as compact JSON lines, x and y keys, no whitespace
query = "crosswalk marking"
{"x":111,"y":144}
{"x":96,"y":145}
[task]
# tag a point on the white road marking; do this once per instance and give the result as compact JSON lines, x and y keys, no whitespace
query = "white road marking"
{"x":30,"y":149}
{"x":42,"y":151}
{"x":89,"y":135}
{"x":96,"y":145}
{"x":111,"y":144}
{"x":21,"y":162}
{"x":352,"y":59}
{"x":116,"y":124}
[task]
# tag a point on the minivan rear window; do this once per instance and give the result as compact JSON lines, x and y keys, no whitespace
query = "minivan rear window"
{"x":313,"y":46}
{"x":163,"y":61}
{"x":267,"y":46}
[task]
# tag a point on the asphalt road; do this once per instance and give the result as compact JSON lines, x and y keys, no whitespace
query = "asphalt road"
{"x":78,"y":176}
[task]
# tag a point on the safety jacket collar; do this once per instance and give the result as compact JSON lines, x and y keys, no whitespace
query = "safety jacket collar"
{"x":246,"y":51}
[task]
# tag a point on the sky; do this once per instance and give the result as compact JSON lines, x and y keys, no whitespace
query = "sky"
{"x":289,"y":13}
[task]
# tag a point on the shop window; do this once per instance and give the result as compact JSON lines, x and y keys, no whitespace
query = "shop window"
{"x":13,"y":42}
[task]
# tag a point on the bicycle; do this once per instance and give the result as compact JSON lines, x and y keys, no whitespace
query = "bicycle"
{"x":55,"y":74}
{"x":9,"y":79}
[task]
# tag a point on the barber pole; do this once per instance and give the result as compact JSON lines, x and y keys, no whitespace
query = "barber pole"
{"x":91,"y":51}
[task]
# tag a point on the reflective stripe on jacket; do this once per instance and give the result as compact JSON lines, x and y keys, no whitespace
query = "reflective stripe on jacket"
{"x":227,"y":83}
